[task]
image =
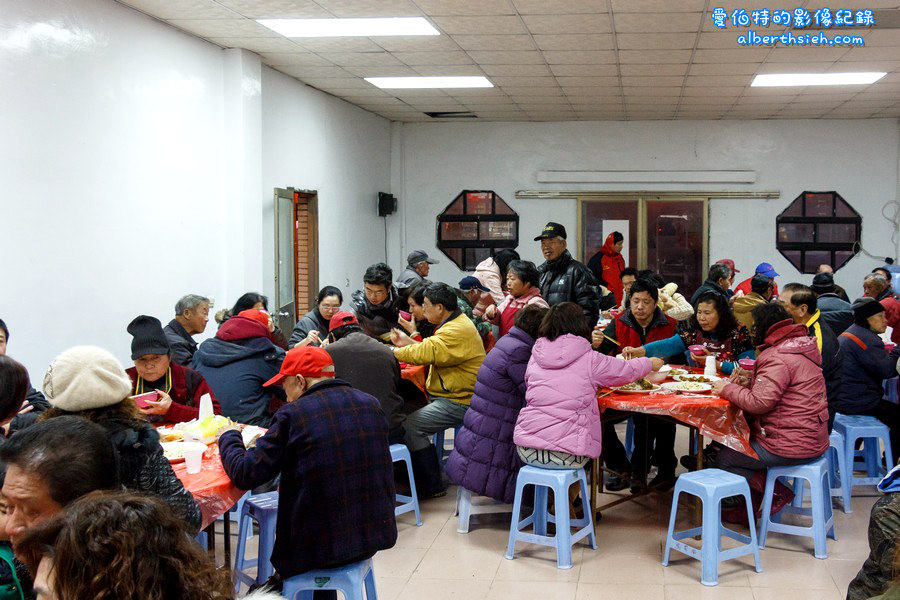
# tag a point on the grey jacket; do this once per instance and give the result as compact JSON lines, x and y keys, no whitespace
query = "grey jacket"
{"x":409,"y":277}
{"x":835,"y":312}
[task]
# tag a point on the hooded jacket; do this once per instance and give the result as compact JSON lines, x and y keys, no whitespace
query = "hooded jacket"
{"x":607,"y":266}
{"x":488,"y":273}
{"x":561,"y":411}
{"x":567,"y":280}
{"x":866,"y":366}
{"x":786,"y":403}
{"x":236,"y":363}
{"x":743,"y":308}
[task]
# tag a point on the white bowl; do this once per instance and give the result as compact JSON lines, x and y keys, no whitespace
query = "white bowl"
{"x":656,"y":376}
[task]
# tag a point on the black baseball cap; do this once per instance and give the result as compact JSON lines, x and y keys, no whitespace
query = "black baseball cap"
{"x":417,"y":256}
{"x":552,"y":230}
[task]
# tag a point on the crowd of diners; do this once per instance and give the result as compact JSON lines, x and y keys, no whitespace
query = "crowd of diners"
{"x":515,"y":354}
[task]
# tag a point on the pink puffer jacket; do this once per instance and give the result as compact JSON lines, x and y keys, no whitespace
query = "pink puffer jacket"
{"x":562,"y":378}
{"x":785,"y":403}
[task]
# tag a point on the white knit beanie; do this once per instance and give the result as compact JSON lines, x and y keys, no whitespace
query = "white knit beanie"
{"x":85,"y":377}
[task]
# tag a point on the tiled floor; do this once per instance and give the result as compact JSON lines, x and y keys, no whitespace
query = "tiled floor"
{"x":434,"y":562}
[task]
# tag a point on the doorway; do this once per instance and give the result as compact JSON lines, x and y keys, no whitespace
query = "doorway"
{"x":296,"y":255}
{"x":666,"y":233}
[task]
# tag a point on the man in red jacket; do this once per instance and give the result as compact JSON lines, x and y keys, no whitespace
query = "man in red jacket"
{"x":608,"y":263}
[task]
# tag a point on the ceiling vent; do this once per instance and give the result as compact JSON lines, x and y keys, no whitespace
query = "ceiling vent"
{"x":464,"y":114}
{"x":886,"y":19}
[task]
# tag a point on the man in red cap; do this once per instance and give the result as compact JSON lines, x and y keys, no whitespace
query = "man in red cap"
{"x":369,"y":366}
{"x":329,"y":444}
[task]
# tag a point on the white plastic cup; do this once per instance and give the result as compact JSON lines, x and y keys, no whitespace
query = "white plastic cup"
{"x":710,"y":369}
{"x":193,"y":457}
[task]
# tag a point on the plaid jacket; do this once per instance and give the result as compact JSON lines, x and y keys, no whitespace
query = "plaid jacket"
{"x":336,"y":498}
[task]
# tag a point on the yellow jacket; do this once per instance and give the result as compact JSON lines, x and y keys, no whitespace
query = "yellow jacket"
{"x":454,"y":353}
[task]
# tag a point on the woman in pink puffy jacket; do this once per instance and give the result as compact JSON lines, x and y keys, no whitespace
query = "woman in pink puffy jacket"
{"x":560,"y":424}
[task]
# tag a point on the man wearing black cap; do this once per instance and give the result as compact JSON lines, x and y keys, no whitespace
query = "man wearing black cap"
{"x":825,"y":268}
{"x":866,"y":366}
{"x":836,"y":312}
{"x":418,"y":264}
{"x":564,"y":279}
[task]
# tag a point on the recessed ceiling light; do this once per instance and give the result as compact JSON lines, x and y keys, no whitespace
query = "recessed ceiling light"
{"x":429,"y":82}
{"x":804,"y":79}
{"x":305,"y":28}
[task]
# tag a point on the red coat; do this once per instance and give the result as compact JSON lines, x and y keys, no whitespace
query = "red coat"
{"x":786,"y":404}
{"x":745,"y":287}
{"x":661,"y":327}
{"x":187,"y":387}
{"x":611,"y":266}
{"x":892,"y":316}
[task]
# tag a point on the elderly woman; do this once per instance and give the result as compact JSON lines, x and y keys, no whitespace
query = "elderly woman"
{"x":491,"y":272}
{"x":89,"y":382}
{"x":523,"y":288}
{"x":784,"y":401}
{"x":178,"y":389}
{"x":313,"y":327}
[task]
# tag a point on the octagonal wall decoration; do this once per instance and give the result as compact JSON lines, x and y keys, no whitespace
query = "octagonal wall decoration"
{"x":818,"y":228}
{"x":474,"y":226}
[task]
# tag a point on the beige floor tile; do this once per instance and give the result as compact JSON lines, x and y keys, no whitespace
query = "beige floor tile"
{"x":789,"y":594}
{"x":617,"y":537}
{"x":843,"y":571}
{"x":398,"y":563}
{"x":699,"y":591}
{"x":532,"y":590}
{"x":388,"y":588}
{"x":459,"y":563}
{"x":445,"y":589}
{"x":620,"y":568}
{"x":489,"y":536}
{"x":684,"y":570}
{"x":792,"y":573}
{"x":410,"y":536}
{"x":538,"y":563}
{"x":610,"y":591}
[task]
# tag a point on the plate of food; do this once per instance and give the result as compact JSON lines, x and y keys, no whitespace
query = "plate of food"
{"x":175,"y":451}
{"x":673,"y":371}
{"x":696,"y":378}
{"x":641,"y":386}
{"x":167,"y":434}
{"x":687,"y":386}
{"x":205,"y":431}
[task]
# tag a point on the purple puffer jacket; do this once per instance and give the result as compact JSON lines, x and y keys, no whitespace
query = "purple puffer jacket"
{"x":484,"y":458}
{"x":561,"y":411}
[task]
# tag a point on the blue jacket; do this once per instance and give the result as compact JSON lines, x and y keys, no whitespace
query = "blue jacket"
{"x":866,"y":366}
{"x":236,"y":363}
{"x":835,"y":312}
{"x":336,"y":498}
{"x":484,"y":458}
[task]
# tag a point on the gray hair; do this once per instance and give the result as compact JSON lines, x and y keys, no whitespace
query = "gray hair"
{"x":190,"y":302}
{"x":877,"y":278}
{"x":719,"y":271}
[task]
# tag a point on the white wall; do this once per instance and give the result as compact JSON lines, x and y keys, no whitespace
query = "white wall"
{"x":131,"y":173}
{"x":859,"y":159}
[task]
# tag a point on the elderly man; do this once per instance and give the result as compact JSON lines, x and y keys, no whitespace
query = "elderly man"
{"x":766,"y":269}
{"x":835,"y":310}
{"x":191,"y":317}
{"x":178,"y":389}
{"x":35,"y":403}
{"x":51,"y":464}
{"x":761,"y":290}
{"x":377,"y":305}
{"x":454,"y":354}
{"x":823,"y":268}
{"x":877,"y":286}
{"x":718,"y":280}
{"x":418,"y":264}
{"x":564,"y":279}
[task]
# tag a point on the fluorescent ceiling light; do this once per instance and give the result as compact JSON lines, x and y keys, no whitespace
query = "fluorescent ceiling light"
{"x":429,"y":82}
{"x":804,"y":79}
{"x":305,"y":28}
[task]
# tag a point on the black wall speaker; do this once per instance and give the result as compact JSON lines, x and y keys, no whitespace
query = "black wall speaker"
{"x":387,"y":204}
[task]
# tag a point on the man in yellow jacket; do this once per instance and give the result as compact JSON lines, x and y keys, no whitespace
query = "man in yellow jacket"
{"x":454,"y":354}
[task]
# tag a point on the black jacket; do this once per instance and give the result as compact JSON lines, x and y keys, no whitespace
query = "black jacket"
{"x":181,"y":343}
{"x":866,"y":366}
{"x":40,"y":404}
{"x":336,"y":499}
{"x":707,"y":286}
{"x":376,"y":320}
{"x":311,"y":320}
{"x":832,"y":364}
{"x":835,"y":312}
{"x":567,"y":280}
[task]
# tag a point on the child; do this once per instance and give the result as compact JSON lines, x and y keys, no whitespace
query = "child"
{"x":15,"y":582}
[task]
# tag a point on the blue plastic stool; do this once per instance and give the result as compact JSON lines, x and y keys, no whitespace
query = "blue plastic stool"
{"x":439,"y":443}
{"x":870,"y":430}
{"x":629,"y":437}
{"x":262,"y":508}
{"x":559,"y":480}
{"x":816,"y":473}
{"x":203,"y":540}
{"x":465,"y":509}
{"x":350,"y":580}
{"x":839,"y":477}
{"x":711,"y":486}
{"x":407,"y":503}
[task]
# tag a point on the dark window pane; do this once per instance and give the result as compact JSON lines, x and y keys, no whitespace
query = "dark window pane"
{"x":479,"y":203}
{"x":794,"y":209}
{"x":475,"y":256}
{"x":595,"y":213}
{"x":842,"y":209}
{"x":819,"y":205}
{"x":836,"y":232}
{"x":456,"y":255}
{"x":795,"y":232}
{"x":675,"y":242}
{"x":814,"y":258}
{"x":793,"y":256}
{"x":501,"y":207}
{"x":456,"y":208}
{"x":498,"y":230}
{"x":459,"y":231}
{"x":841,"y":257}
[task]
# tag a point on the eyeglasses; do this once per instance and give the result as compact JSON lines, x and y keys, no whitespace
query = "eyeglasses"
{"x":330,"y":307}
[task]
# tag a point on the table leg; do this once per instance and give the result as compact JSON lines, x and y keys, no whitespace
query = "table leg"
{"x":698,"y":505}
{"x":211,"y":540}
{"x":226,"y":531}
{"x":596,"y":481}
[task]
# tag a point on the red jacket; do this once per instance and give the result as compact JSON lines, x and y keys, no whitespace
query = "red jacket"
{"x":187,"y":387}
{"x":611,"y":265}
{"x":626,"y":329}
{"x":786,"y":404}
{"x":745,"y":287}
{"x":892,"y":316}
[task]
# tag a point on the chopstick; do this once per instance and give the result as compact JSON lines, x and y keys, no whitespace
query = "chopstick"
{"x":612,"y":340}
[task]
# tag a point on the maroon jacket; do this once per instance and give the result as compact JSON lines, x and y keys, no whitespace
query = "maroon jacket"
{"x":785,"y":403}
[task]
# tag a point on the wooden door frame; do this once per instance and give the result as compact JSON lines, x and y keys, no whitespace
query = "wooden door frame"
{"x":299,"y":197}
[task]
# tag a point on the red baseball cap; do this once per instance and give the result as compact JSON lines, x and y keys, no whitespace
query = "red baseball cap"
{"x":253,"y":314}
{"x":728,"y":263}
{"x":342,"y":318}
{"x":309,"y":361}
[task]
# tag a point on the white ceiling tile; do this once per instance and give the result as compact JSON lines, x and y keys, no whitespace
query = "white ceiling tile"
{"x":801,"y":55}
{"x":798,"y":67}
{"x":392,"y":71}
{"x":654,"y":56}
{"x":308,"y":59}
{"x":658,"y":22}
{"x":719,"y":80}
{"x":448,"y":70}
{"x":182,"y":9}
{"x":480,"y":92}
{"x":480,"y":25}
{"x":569,"y":82}
{"x":339,"y":44}
{"x":494,"y":42}
{"x":516,"y":92}
{"x":708,"y":100}
{"x":720,"y":39}
{"x":219,"y":28}
{"x":259,"y":45}
{"x":425,"y":43}
{"x":482,"y":100}
{"x":337,"y":83}
{"x":346,"y":59}
{"x":869,"y":54}
{"x":550,"y":24}
{"x":737,"y":55}
{"x":711,"y":91}
{"x":374,"y":100}
{"x":433,"y":58}
{"x":656,"y":41}
{"x":319,"y":72}
{"x":575,"y":41}
{"x":469,"y":8}
{"x":503,"y":82}
{"x":584,"y":70}
{"x":580,"y":57}
{"x":592,"y":91}
{"x":560,"y":7}
{"x":888,"y":66}
{"x":652,"y":81}
{"x":518,"y":70}
{"x":652,"y":70}
{"x":488,"y":57}
{"x":724,"y":68}
{"x":653,"y":6}
{"x":417,"y":93}
{"x":632,"y":100}
{"x":276,"y":9}
{"x":370,"y":8}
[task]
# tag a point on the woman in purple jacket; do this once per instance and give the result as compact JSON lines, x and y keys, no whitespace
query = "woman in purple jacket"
{"x":484,"y":459}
